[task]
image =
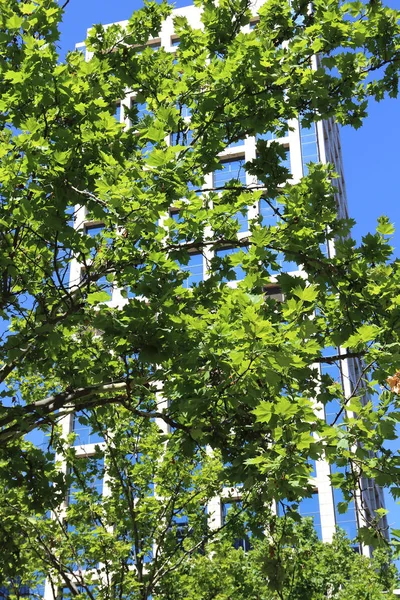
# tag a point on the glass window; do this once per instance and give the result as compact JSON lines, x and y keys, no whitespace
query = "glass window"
{"x":238,"y":270}
{"x":93,"y":230}
{"x":184,"y":138}
{"x":105,"y":286}
{"x":180,"y":526}
{"x":147,"y":148}
{"x":175,"y":42}
{"x":117,"y":112}
{"x":176,"y":216}
{"x":333,"y":407}
{"x":242,"y":220}
{"x":65,"y":593}
{"x":309,"y":507}
{"x":92,"y":475}
{"x":84,"y":432}
{"x":141,"y":108}
{"x":268,"y":215}
{"x":184,"y":110}
{"x":348,"y":520}
{"x":146,"y":488}
{"x":285,"y":265}
{"x":232,"y":169}
{"x":269,"y":218}
{"x":286,"y":162}
{"x":273,"y":135}
{"x":102,"y":284}
{"x":80,"y":562}
{"x":309,"y":145}
{"x":283,"y":162}
{"x":194,"y":269}
{"x":235,"y":144}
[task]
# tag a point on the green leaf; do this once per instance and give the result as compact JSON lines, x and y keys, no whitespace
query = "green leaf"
{"x":98,"y":297}
{"x":385,"y":227}
{"x":307,"y":294}
{"x":364,"y":334}
{"x":14,"y":22}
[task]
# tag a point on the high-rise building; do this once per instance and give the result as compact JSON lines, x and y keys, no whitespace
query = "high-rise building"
{"x":319,"y":142}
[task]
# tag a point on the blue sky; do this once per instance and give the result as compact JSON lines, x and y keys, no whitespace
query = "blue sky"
{"x":371,"y":154}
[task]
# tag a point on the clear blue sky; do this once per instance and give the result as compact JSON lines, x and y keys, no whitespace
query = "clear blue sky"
{"x":371,"y":154}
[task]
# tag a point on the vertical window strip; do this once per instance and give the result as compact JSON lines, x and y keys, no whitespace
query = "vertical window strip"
{"x":309,"y":507}
{"x":348,"y":520}
{"x":95,"y":484}
{"x":194,"y":268}
{"x":309,"y":146}
{"x":333,"y":407}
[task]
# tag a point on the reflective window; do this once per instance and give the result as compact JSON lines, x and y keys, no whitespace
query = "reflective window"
{"x":80,"y":560}
{"x":272,"y":135}
{"x":309,"y":507}
{"x":348,"y":520}
{"x":92,"y":474}
{"x":333,"y":407}
{"x":235,"y":144}
{"x":65,"y":593}
{"x":284,"y":162}
{"x":147,"y":148}
{"x":194,"y":269}
{"x":84,"y":432}
{"x":141,"y":108}
{"x":102,"y":283}
{"x":285,"y":265}
{"x":176,"y":216}
{"x":184,"y":138}
{"x":180,"y":526}
{"x":309,"y":145}
{"x":242,"y":220}
{"x":93,"y":230}
{"x":231,"y":170}
{"x":184,"y":110}
{"x":266,"y":210}
{"x":105,"y":286}
{"x":239,"y":272}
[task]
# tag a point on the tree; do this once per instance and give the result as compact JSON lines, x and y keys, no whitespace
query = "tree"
{"x":292,"y":564}
{"x":239,"y":369}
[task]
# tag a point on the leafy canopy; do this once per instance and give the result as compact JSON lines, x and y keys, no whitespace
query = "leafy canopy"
{"x":238,"y":371}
